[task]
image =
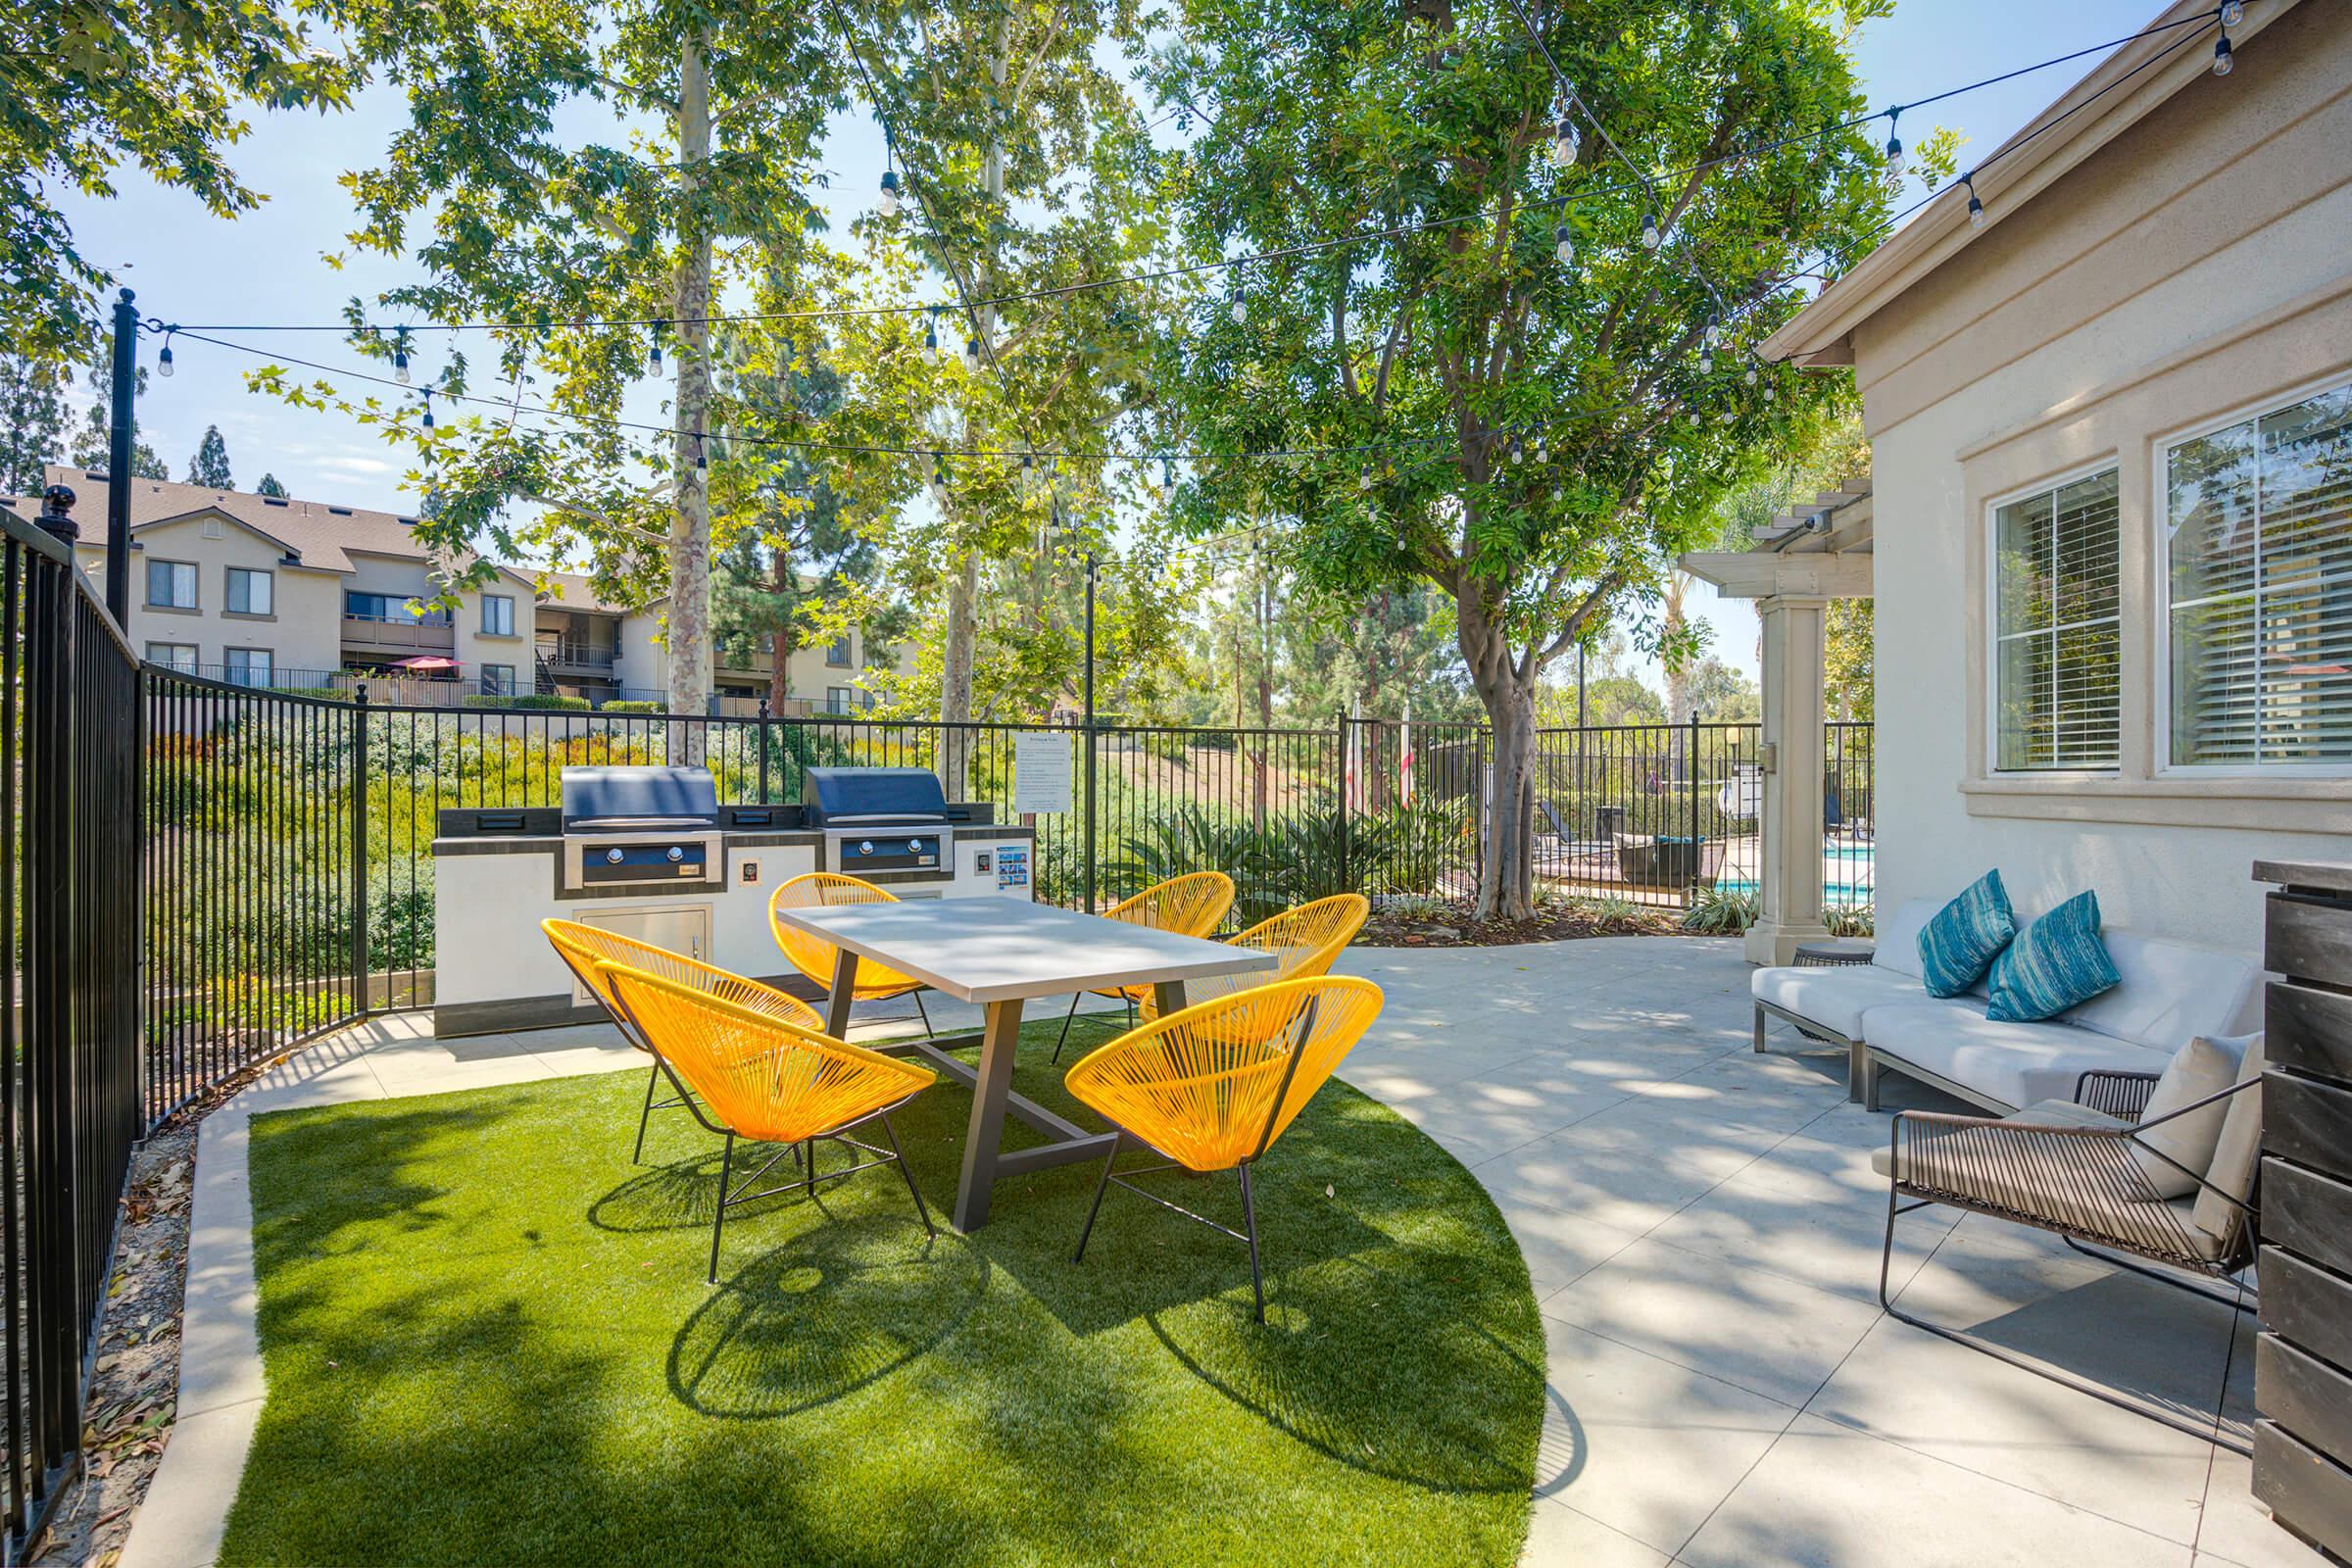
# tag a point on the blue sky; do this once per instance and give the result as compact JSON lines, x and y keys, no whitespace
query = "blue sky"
{"x":189,"y":267}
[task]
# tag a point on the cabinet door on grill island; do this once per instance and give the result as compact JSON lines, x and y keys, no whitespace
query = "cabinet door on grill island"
{"x":679,"y":927}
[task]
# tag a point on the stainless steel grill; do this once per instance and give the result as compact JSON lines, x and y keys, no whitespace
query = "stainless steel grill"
{"x":640,"y":827}
{"x":891,"y":821}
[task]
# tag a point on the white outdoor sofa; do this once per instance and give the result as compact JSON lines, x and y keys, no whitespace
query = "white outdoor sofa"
{"x":1882,"y":1013}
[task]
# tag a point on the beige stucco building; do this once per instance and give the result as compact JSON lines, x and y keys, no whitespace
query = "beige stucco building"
{"x":295,"y":594}
{"x":2109,"y":528}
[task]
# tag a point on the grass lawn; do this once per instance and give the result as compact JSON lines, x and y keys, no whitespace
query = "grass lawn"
{"x":488,"y":1340}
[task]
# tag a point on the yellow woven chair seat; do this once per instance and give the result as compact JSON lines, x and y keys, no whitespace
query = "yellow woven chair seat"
{"x":759,"y":1075}
{"x":1199,"y":1085}
{"x":1190,"y":905}
{"x":813,"y":955}
{"x":583,"y":948}
{"x":1305,"y":942}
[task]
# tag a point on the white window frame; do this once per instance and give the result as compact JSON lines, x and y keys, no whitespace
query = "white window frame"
{"x":229,"y":595}
{"x":2159,"y":520}
{"x":1993,"y":623}
{"x":269,"y":657}
{"x":195,"y":586}
{"x":507,"y":600}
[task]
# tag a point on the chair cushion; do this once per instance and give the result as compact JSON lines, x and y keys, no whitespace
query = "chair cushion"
{"x":2008,"y":1063}
{"x":1960,"y":943}
{"x":2203,"y":1067}
{"x":1898,"y":937}
{"x":2172,"y":991}
{"x":2235,"y":1153}
{"x":2056,"y":961}
{"x":1835,"y":998}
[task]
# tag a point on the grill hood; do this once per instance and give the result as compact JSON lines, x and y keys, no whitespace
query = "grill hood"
{"x":639,"y":797}
{"x":847,"y":796}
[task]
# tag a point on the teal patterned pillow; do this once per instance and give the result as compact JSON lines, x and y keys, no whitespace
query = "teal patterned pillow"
{"x":1960,"y":943}
{"x":2055,"y":962}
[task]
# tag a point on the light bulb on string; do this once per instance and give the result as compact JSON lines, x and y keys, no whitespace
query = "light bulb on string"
{"x":1750,"y":377}
{"x":2233,"y":13}
{"x":701,"y":457}
{"x":1706,"y":362}
{"x":1976,"y":208}
{"x":1712,"y":337}
{"x":887,"y":203}
{"x":2225,"y":60}
{"x":931,"y":335}
{"x":1894,"y":145}
{"x":1652,"y":236}
{"x":1515,"y":452}
{"x":400,"y":361}
{"x":1563,"y":245}
{"x":653,"y":358}
{"x":1236,"y":305}
{"x":429,"y":407}
{"x":1565,"y":142}
{"x":163,"y":360}
{"x":1363,"y":479}
{"x":1167,"y":474}
{"x":972,"y":354}
{"x":1028,"y":474}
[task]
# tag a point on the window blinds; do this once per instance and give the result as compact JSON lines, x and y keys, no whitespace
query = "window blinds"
{"x":2056,"y":696}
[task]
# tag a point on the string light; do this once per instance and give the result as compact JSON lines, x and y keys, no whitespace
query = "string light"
{"x":400,"y":362}
{"x":1751,"y":377}
{"x":1976,"y":208}
{"x":1894,"y":145}
{"x":702,"y":458}
{"x":1706,"y":361}
{"x":1028,"y":474}
{"x":1236,"y":305}
{"x":163,"y":360}
{"x":888,"y":203}
{"x":1564,"y":245}
{"x":2224,"y":62}
{"x":2233,"y":13}
{"x":1565,"y":143}
{"x":931,"y":335}
{"x":972,"y":354}
{"x":1363,"y":480}
{"x":429,"y":407}
{"x":1712,"y":337}
{"x":653,"y":358}
{"x":1652,"y":236}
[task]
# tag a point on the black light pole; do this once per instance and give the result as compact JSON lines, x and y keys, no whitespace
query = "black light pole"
{"x":1090,"y":729}
{"x":118,"y":459}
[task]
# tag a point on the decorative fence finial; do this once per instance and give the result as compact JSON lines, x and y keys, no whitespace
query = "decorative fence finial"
{"x":57,"y":504}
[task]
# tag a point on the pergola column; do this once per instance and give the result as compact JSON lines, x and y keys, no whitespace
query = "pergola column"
{"x":1793,"y":811}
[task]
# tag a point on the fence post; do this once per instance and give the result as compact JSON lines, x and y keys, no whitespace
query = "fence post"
{"x":359,"y":988}
{"x":762,"y":732}
{"x":1346,"y":802}
{"x":1690,"y":766}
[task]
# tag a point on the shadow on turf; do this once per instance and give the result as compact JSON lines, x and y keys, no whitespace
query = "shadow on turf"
{"x":839,"y":1306}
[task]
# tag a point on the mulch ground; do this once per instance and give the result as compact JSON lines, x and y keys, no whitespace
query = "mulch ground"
{"x":1453,"y":925}
{"x":134,"y":1385}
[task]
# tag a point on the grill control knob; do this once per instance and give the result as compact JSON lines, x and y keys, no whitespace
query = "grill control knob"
{"x":914,"y":846}
{"x":865,"y":846}
{"x":676,"y":854}
{"x":611,"y":857}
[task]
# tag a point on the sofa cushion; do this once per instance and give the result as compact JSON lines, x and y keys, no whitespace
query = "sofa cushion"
{"x":2198,"y":1070}
{"x":2055,"y":962}
{"x":1835,"y":998}
{"x":2235,"y":1154}
{"x":1960,"y":943}
{"x":1898,"y":937}
{"x":2007,"y":1063}
{"x":2173,"y":991}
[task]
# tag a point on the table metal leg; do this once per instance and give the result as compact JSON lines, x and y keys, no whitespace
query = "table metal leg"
{"x":1168,"y":997}
{"x":845,"y":990}
{"x":989,"y":1091}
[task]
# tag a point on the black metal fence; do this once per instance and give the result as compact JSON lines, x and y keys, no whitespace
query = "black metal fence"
{"x":70,"y":1094}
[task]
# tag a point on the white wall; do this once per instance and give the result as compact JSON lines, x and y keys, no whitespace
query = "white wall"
{"x":2196,"y":265}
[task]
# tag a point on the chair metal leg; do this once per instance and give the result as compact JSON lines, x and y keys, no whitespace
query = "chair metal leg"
{"x":809,"y":1166}
{"x":2241,"y":1300}
{"x":913,"y":1191}
{"x":718,"y":1219}
{"x":1101,"y":1187}
{"x":2208,"y":1430}
{"x":1759,"y":1028}
{"x":653,"y":1076}
{"x":1075,"y":996}
{"x":1258,"y":1280}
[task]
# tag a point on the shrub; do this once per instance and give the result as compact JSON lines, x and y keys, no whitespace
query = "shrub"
{"x":1720,"y":911}
{"x":632,"y":704}
{"x":532,"y":700}
{"x":1850,"y":920}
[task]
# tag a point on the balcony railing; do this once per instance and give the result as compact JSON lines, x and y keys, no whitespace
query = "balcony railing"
{"x":572,"y":654}
{"x":374,"y":632}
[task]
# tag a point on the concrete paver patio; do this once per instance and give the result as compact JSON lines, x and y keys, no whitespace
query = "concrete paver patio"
{"x":1702,"y":1229}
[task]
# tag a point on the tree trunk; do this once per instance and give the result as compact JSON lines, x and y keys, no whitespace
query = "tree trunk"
{"x":1506,"y":870}
{"x":1678,"y":673}
{"x":690,"y":683}
{"x":957,"y":645}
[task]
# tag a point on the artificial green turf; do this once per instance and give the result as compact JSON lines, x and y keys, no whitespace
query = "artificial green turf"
{"x":488,"y":1340}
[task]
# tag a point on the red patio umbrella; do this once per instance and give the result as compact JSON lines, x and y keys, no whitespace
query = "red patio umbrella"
{"x":426,"y":662}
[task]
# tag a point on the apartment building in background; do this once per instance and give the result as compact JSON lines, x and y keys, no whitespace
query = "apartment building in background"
{"x":296,"y":595}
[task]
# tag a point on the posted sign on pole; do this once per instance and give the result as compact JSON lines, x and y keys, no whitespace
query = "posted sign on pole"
{"x":1041,"y":772}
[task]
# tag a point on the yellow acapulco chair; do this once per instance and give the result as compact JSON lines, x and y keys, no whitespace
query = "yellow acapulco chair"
{"x":1304,"y":941}
{"x":765,"y":1079}
{"x":583,"y":947}
{"x":1190,"y":905}
{"x":815,"y":958}
{"x":1213,"y":1086}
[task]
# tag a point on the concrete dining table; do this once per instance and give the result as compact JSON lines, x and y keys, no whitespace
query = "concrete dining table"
{"x":1000,"y":952}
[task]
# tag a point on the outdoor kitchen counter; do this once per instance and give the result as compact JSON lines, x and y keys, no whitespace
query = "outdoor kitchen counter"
{"x":1000,"y":952}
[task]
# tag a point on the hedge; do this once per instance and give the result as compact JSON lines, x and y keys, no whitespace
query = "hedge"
{"x":533,"y":700}
{"x":632,"y":704}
